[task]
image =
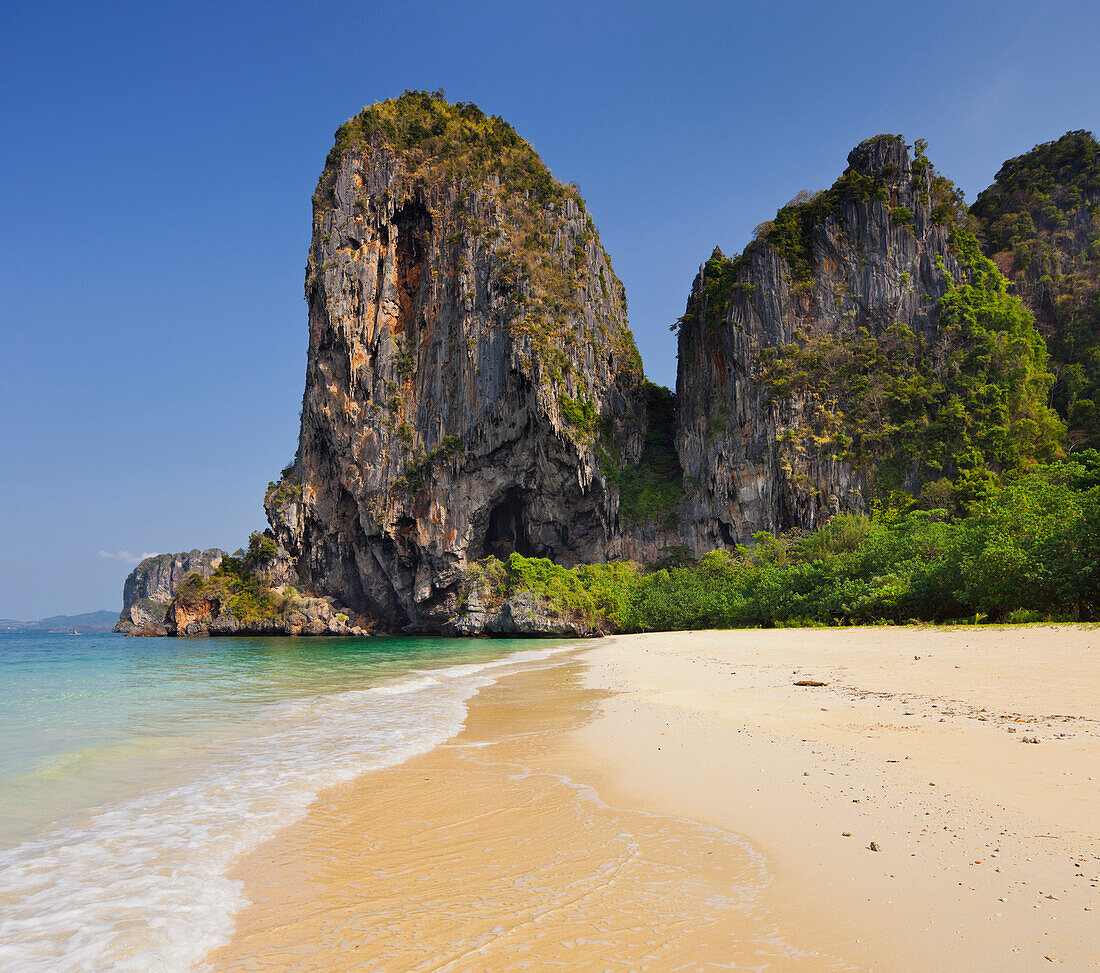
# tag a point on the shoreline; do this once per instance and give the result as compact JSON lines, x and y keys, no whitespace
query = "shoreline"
{"x":989,"y":852}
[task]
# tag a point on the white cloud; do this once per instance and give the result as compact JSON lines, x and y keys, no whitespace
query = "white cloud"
{"x":124,"y":556}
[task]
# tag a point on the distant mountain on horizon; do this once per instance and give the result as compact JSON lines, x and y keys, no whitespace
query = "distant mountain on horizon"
{"x":86,"y":623}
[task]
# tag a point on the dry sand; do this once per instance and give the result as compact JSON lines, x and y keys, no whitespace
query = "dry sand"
{"x":674,"y":801}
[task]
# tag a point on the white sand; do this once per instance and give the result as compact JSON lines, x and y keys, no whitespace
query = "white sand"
{"x":990,"y":847}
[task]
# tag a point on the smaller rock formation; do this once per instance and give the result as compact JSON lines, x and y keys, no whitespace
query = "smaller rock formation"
{"x":214,"y":593}
{"x":153,"y":584}
{"x":291,"y":613}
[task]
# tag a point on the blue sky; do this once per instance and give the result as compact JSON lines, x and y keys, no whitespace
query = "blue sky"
{"x":157,"y":162}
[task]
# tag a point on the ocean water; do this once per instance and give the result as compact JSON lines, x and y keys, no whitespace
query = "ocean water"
{"x":134,"y":773}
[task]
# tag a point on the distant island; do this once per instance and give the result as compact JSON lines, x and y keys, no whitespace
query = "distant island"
{"x":886,"y":407}
{"x":86,"y":623}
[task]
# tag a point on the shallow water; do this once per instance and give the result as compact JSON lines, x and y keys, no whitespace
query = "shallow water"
{"x":496,"y":851}
{"x":135,"y":772}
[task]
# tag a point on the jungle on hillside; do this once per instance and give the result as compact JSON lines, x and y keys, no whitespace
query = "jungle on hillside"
{"x":1028,"y":550}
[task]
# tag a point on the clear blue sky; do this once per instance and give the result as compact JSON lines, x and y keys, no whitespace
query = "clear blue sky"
{"x":157,"y":161}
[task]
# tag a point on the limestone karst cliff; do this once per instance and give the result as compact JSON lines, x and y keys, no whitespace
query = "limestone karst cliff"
{"x":213,"y":593}
{"x":468,"y":348}
{"x":473,"y":391}
{"x":860,"y":344}
{"x":153,"y":584}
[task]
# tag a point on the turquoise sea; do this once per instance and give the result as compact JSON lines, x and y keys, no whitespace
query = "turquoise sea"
{"x":134,"y":773}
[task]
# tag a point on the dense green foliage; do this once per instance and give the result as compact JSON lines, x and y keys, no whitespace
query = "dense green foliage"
{"x":236,"y":586}
{"x":970,"y":408}
{"x":651,"y":489}
{"x":597,"y":593}
{"x":719,"y":282}
{"x":1041,"y":221}
{"x":507,"y":199}
{"x":1029,"y":551}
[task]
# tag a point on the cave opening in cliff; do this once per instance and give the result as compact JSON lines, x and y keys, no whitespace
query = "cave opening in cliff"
{"x":507,"y":530}
{"x":414,"y":228}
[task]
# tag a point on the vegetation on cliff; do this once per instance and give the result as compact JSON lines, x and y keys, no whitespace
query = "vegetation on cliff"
{"x":1029,"y":551}
{"x":236,"y":587}
{"x":956,"y":409}
{"x":1040,"y":221}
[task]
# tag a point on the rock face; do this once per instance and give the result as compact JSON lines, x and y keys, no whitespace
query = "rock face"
{"x":303,"y":615}
{"x":859,"y":269}
{"x":522,"y":615}
{"x":468,"y":353}
{"x":153,"y":584}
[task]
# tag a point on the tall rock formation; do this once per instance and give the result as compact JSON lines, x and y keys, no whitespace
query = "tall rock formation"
{"x":860,"y":344}
{"x":470,"y":368}
{"x":1040,"y":223}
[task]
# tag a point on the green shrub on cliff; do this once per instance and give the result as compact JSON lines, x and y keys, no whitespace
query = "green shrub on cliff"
{"x":287,"y":489}
{"x":579,"y":413}
{"x":651,"y":489}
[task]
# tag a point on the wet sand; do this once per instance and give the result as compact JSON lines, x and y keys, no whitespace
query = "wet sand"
{"x":674,"y":801}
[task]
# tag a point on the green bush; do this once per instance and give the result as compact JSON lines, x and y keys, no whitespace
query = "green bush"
{"x":596,"y":593}
{"x":902,"y":216}
{"x":1029,"y":550}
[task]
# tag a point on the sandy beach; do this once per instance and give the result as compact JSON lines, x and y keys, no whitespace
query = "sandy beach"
{"x":677,"y":801}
